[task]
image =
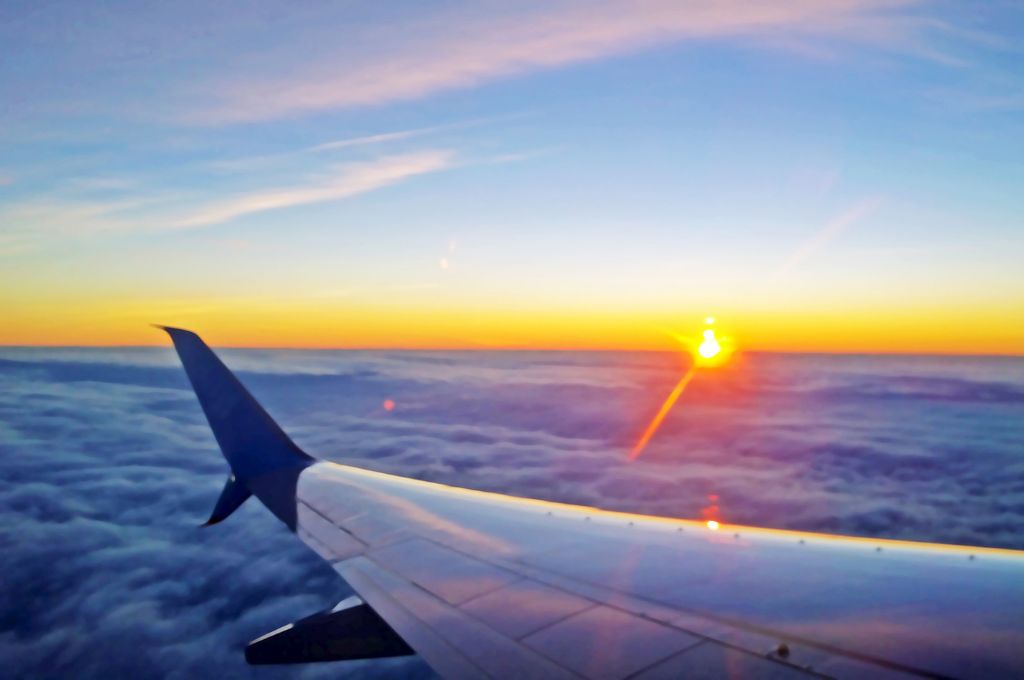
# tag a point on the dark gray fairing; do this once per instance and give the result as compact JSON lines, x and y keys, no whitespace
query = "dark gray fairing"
{"x":354,"y":633}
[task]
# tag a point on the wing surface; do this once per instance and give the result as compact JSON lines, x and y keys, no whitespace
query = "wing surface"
{"x":481,"y":583}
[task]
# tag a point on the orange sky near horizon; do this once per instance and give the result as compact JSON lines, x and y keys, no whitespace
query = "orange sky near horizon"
{"x":408,"y":325}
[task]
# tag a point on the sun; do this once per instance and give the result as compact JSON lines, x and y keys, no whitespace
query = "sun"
{"x":712,"y":350}
{"x":709,"y":347}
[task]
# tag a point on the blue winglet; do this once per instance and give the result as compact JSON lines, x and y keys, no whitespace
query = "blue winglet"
{"x":265,"y":462}
{"x":231,"y":498}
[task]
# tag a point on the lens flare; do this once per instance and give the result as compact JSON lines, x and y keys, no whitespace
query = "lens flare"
{"x":709,"y":353}
{"x":666,"y":406}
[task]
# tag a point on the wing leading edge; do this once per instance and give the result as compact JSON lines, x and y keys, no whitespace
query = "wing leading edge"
{"x":486,"y":585}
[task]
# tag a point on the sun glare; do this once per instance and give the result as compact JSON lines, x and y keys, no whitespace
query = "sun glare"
{"x":711,"y":351}
{"x":713,"y":525}
{"x":709,"y":347}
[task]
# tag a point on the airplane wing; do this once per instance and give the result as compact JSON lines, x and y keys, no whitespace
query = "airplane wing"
{"x":487,"y":585}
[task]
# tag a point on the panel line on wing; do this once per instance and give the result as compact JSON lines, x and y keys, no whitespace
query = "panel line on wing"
{"x":711,"y":629}
{"x":715,"y":629}
{"x":497,"y":655}
{"x":467,"y":605}
{"x":442,"y":656}
{"x":558,"y":621}
{"x":317,"y":546}
{"x":317,"y":511}
{"x":448,"y":574}
{"x":327,"y":539}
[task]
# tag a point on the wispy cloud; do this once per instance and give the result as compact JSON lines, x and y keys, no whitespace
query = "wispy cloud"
{"x":981,"y":93}
{"x":399,"y":135}
{"x":350,"y":180}
{"x":269,"y":160}
{"x":103,"y":184}
{"x":832,"y":229}
{"x":30,"y":224}
{"x":263,"y":161}
{"x":466,"y":49}
{"x":381,"y":138}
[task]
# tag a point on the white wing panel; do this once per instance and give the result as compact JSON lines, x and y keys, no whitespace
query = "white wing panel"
{"x":524,"y":607}
{"x":486,"y":652}
{"x":324,"y":536}
{"x":838,"y":604}
{"x":602,"y":642}
{"x":451,"y":576}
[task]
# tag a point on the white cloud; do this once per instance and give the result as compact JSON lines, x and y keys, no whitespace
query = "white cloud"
{"x":374,"y":139}
{"x":37,"y":222}
{"x":466,"y":49}
{"x":350,"y":180}
{"x":398,"y":135}
{"x":829,"y":232}
{"x":27,"y":224}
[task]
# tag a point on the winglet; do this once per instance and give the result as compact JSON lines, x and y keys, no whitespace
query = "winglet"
{"x":263,"y":460}
{"x":231,"y":498}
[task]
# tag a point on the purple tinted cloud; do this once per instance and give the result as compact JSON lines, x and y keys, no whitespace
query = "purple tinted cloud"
{"x":109,"y":466}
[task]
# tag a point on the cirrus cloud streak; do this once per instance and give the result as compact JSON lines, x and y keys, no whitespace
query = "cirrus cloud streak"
{"x":350,"y":180}
{"x":463,"y":48}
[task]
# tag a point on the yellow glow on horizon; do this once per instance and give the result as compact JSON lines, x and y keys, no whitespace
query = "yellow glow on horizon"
{"x":713,"y":525}
{"x":420,"y":319}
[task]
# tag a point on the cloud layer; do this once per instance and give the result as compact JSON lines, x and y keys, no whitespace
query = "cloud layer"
{"x":109,"y":466}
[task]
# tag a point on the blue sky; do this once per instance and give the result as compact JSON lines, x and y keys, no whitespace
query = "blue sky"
{"x":657,"y":160}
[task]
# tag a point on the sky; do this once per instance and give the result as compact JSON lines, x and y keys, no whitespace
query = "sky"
{"x":109,"y":468}
{"x":821,"y":176}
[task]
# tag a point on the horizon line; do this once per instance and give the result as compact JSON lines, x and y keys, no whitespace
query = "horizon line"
{"x":607,"y":350}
